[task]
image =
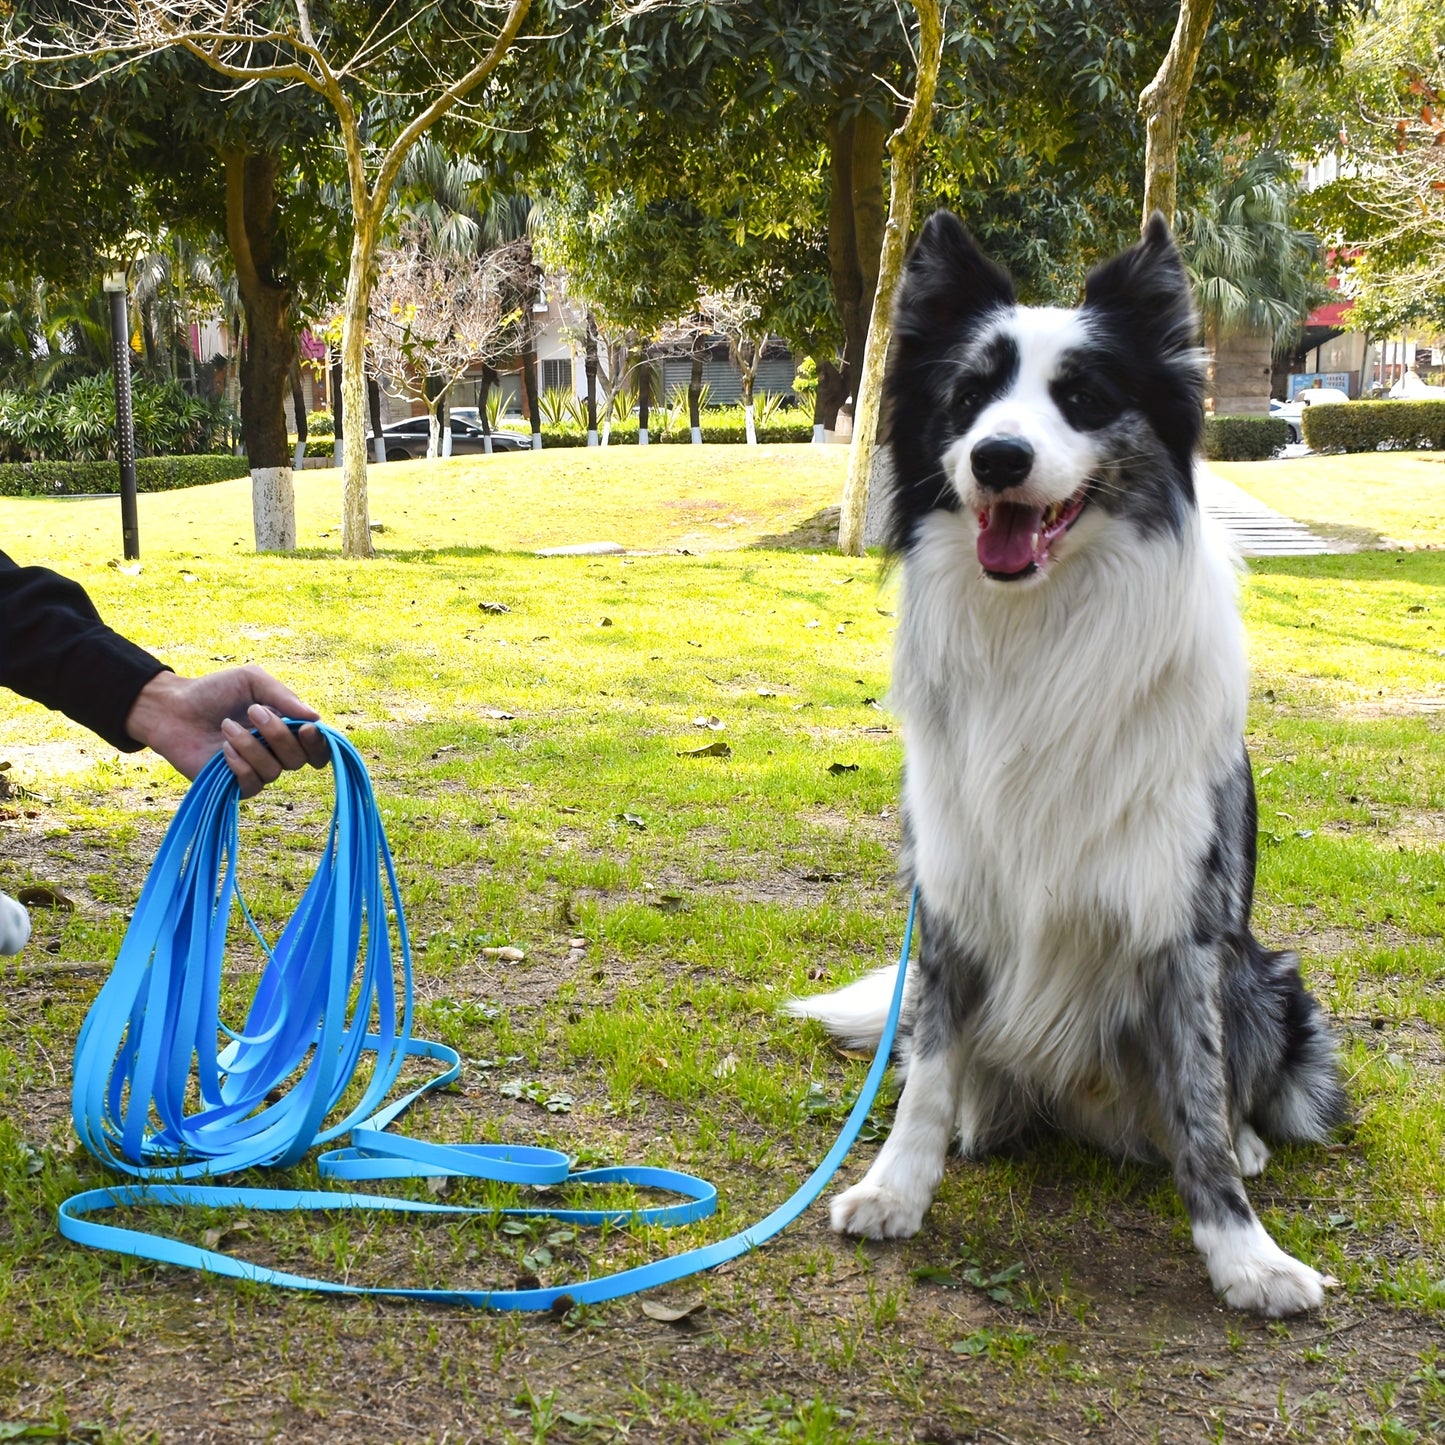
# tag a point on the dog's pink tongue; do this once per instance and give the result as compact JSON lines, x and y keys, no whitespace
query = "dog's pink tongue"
{"x":1006,"y":542}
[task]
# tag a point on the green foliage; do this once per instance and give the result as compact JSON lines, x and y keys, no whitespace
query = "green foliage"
{"x":1371,"y":426}
{"x":86,"y":478}
{"x":668,"y":424}
{"x":78,"y":424}
{"x":1251,"y":269}
{"x":1380,"y":113}
{"x":1243,"y":438}
{"x":320,"y":424}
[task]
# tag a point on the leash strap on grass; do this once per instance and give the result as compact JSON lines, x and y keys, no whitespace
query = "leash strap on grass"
{"x":155,"y":1097}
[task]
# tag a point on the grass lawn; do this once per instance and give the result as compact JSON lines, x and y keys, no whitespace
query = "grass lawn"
{"x":534,"y":772}
{"x":1389,"y":499}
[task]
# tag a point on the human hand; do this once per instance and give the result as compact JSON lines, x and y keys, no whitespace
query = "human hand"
{"x":187,"y":720}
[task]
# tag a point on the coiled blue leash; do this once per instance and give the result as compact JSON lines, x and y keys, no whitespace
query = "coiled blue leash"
{"x":155,"y":1098}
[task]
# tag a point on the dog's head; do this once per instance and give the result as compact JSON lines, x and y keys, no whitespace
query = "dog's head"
{"x":1029,"y":420}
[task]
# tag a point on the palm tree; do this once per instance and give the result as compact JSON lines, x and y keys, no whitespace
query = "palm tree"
{"x":1255,"y":278}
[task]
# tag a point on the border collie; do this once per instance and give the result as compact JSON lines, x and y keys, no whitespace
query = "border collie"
{"x":1078,"y":807}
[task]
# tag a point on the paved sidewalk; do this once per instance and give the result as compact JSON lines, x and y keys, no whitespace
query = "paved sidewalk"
{"x":1257,"y":530}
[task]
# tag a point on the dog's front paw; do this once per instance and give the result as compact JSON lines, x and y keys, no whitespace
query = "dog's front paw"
{"x":876,"y":1212}
{"x":1251,"y":1272}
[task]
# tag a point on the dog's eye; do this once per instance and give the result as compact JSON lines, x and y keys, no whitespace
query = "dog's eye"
{"x":1086,"y":404}
{"x":968,"y":397}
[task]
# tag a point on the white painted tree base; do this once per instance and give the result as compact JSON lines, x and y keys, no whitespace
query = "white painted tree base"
{"x":642,"y":436}
{"x":592,"y":439}
{"x":536,"y":441}
{"x":820,"y":434}
{"x":273,"y":509}
{"x":697,"y":436}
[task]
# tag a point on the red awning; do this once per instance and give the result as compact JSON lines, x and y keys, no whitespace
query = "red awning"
{"x":1333,"y":313}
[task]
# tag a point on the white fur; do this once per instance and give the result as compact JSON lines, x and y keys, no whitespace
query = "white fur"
{"x":1251,"y":1272}
{"x":1062,"y":741}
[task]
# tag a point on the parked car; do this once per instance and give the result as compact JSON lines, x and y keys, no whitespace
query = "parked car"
{"x":408,"y":440}
{"x":1293,"y":412}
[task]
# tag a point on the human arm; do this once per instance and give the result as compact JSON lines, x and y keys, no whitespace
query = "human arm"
{"x":55,"y":649}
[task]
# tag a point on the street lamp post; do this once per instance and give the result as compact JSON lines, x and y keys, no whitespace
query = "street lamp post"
{"x":115,"y":290}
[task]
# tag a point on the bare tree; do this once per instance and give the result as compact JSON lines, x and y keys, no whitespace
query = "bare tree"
{"x":739,"y":320}
{"x":436,"y":312}
{"x":378,"y":117}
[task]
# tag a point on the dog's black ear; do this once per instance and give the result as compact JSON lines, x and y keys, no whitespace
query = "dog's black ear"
{"x":1145,"y":290}
{"x":947,"y":278}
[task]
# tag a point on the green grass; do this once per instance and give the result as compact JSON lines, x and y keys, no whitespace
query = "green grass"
{"x":1393,"y":500}
{"x":532,"y":768}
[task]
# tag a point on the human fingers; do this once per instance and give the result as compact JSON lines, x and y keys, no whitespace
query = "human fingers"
{"x":314,"y":744}
{"x":284,"y":744}
{"x":246,"y":775}
{"x":255,"y":758}
{"x":273,"y":693}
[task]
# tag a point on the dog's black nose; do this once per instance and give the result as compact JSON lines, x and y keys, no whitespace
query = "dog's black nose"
{"x":1001,"y":462}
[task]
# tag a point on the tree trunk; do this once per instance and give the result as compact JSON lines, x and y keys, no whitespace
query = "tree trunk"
{"x":270,"y":345}
{"x":529,"y":382}
{"x":488,"y":377}
{"x":298,"y":406}
{"x":644,"y":397}
{"x":1162,"y":103}
{"x":856,"y":218}
{"x":589,"y":365}
{"x":694,"y":388}
{"x":749,"y":354}
{"x":1239,"y":374}
{"x":355,"y":521}
{"x":904,"y":146}
{"x":831,"y":395}
{"x":338,"y":408}
{"x":373,"y":410}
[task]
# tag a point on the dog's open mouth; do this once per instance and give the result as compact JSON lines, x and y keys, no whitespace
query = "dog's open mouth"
{"x":1015,"y":540}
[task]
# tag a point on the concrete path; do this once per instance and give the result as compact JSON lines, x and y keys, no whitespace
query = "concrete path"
{"x":1257,"y":530}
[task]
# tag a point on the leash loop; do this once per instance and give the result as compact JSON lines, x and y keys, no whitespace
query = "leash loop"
{"x":168,"y":1092}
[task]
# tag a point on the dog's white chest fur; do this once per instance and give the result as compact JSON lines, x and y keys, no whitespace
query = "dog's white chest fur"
{"x":1062,"y":739}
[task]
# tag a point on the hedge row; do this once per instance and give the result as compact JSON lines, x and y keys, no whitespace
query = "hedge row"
{"x":1243,"y":438}
{"x":152,"y":474}
{"x":624,"y":434}
{"x":1376,"y":426}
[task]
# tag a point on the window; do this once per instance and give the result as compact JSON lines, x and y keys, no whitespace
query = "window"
{"x":557,"y":375}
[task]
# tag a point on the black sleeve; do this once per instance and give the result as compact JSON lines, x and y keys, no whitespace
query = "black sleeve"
{"x":55,"y":649}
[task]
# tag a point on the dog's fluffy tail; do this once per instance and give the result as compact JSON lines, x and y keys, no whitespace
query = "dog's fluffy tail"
{"x":854,"y":1015}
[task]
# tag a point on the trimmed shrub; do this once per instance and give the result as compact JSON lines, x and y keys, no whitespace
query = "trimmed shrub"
{"x":723,"y":429}
{"x":152,"y":474}
{"x":1243,"y":438}
{"x":1376,"y":426}
{"x":320,"y":424}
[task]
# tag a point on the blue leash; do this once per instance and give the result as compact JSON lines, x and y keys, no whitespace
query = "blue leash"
{"x":154,"y":1098}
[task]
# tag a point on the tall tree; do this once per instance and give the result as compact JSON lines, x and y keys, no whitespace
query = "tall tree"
{"x":904,"y":148}
{"x":361,"y":64}
{"x":1255,"y":274}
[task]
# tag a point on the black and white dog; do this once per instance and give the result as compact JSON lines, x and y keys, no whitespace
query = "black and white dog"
{"x":1079,"y":812}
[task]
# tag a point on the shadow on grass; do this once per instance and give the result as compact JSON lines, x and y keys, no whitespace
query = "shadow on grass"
{"x":818,"y":533}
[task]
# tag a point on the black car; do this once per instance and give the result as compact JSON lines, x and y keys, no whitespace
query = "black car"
{"x":407,"y":440}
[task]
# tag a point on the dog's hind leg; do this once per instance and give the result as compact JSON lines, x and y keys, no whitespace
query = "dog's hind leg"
{"x":892,"y":1198}
{"x":1183,"y":1043}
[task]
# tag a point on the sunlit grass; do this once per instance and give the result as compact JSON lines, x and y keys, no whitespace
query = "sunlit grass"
{"x":1375,"y":498}
{"x":532,"y":765}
